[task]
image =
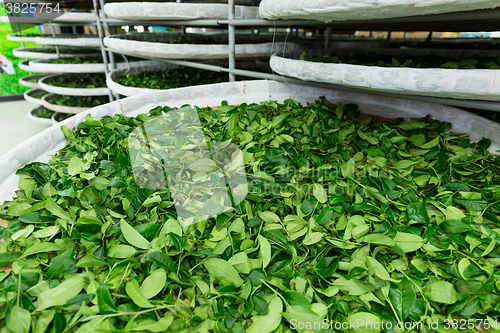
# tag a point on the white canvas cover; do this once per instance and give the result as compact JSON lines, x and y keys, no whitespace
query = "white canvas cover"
{"x":84,"y":41}
{"x":151,"y":11}
{"x":207,"y":47}
{"x":44,"y":66}
{"x":471,"y":84}
{"x":34,"y":53}
{"x":343,"y":10}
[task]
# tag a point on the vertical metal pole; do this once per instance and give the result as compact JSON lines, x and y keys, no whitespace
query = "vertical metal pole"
{"x":429,"y":38}
{"x":53,"y":35}
{"x":328,"y":32}
{"x":232,"y":40}
{"x":74,"y":29}
{"x":107,"y":34}
{"x":22,"y":43}
{"x":103,"y":52}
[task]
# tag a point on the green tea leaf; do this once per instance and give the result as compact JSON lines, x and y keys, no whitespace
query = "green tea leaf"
{"x":402,"y":297}
{"x":19,"y":320}
{"x":154,"y":283}
{"x":132,"y":236}
{"x":61,"y":294}
{"x":408,"y":242}
{"x":135,"y":293}
{"x":222,"y":270}
{"x":105,"y":301}
{"x":441,"y":292}
{"x":269,"y":322}
{"x":264,"y":251}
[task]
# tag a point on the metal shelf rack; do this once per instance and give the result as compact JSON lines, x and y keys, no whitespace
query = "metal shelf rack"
{"x":479,"y":20}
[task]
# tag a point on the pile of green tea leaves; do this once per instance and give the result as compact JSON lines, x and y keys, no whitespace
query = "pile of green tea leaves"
{"x":76,"y":60}
{"x":62,"y":116}
{"x":431,"y":61}
{"x":34,"y":79}
{"x":39,"y":94}
{"x":171,"y":78}
{"x":346,"y":219}
{"x":179,"y":40}
{"x":78,"y":81}
{"x":62,"y":50}
{"x":33,"y":34}
{"x":87,"y":60}
{"x":79,"y":101}
{"x":44,"y":113}
{"x":71,"y":36}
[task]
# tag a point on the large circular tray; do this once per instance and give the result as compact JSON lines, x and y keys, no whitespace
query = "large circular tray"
{"x":71,"y":91}
{"x":24,"y":65}
{"x":58,"y":117}
{"x":74,"y":17}
{"x":208,"y":47}
{"x":175,"y":11}
{"x":30,"y":81}
{"x":83,"y":40}
{"x":61,"y":108}
{"x":113,"y":76}
{"x":330,"y":10}
{"x":21,"y":38}
{"x":472,"y":84}
{"x":44,"y":66}
{"x":28,"y":96}
{"x":32,"y":116}
{"x":34,"y":53}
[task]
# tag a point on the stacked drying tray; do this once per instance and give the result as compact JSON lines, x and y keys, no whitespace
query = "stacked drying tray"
{"x":71,"y":93}
{"x":77,"y":81}
{"x":466,"y":77}
{"x":205,"y":47}
{"x":40,"y":113}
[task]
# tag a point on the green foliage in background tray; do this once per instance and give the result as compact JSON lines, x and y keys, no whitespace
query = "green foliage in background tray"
{"x":171,"y":78}
{"x":431,"y":61}
{"x":78,"y":81}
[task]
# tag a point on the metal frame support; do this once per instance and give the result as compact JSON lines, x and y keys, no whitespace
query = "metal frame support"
{"x":53,"y":35}
{"x":232,"y":41}
{"x":107,"y":34}
{"x":22,"y":43}
{"x":428,"y":40}
{"x":103,"y":51}
{"x":328,"y":32}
